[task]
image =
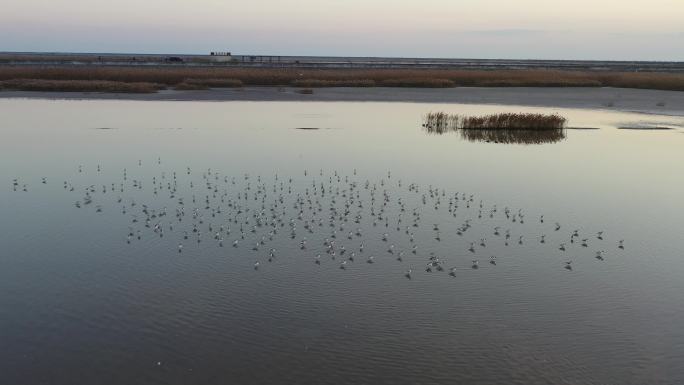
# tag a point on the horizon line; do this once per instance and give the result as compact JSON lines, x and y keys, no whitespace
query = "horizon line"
{"x":329,"y":56}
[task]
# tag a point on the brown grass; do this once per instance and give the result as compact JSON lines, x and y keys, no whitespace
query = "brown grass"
{"x":215,"y":82}
{"x":189,"y":87}
{"x":333,"y":83}
{"x":418,"y":82}
{"x":646,"y":80}
{"x":440,"y":122}
{"x":310,"y":78}
{"x":79,"y":86}
{"x":518,"y":128}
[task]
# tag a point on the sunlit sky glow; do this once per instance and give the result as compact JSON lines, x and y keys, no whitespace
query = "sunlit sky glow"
{"x":544,"y":29}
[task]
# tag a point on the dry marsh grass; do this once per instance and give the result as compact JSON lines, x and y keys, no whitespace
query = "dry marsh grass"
{"x":440,"y":122}
{"x":418,"y":83}
{"x":311,"y":78}
{"x":215,"y":82}
{"x":510,"y":128}
{"x":644,"y":80}
{"x":79,"y":86}
{"x":190,"y":87}
{"x":311,"y":83}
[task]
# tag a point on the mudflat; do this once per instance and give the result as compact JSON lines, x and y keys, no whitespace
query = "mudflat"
{"x":620,"y":99}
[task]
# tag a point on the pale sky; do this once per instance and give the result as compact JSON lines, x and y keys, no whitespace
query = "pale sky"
{"x":543,"y":29}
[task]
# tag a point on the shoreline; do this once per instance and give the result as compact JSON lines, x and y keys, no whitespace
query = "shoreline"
{"x":618,"y":99}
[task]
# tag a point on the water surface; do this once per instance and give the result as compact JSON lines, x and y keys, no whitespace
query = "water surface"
{"x":78,"y":302}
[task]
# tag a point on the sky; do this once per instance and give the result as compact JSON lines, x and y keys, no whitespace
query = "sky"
{"x":511,"y":29}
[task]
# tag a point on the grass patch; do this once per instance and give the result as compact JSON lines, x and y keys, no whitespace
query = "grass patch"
{"x":215,"y":82}
{"x":541,"y":83}
{"x":520,"y":128}
{"x":79,"y":86}
{"x":312,"y":78}
{"x":313,"y":83}
{"x":189,"y":87}
{"x":441,"y":122}
{"x":418,"y":83}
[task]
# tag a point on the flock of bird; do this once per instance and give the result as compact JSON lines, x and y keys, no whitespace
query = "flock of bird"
{"x":327,"y":217}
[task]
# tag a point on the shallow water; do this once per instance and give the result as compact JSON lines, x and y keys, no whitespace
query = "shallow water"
{"x":78,"y":302}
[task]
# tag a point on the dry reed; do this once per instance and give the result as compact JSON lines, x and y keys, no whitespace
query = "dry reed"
{"x":190,"y":87}
{"x":215,"y":83}
{"x":352,"y":77}
{"x":418,"y":83}
{"x":522,"y":128}
{"x":333,"y":83}
{"x":440,"y":122}
{"x":79,"y":86}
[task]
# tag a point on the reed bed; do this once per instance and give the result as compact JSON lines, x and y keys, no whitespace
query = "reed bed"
{"x":79,"y":86}
{"x":316,"y":83}
{"x":523,"y":128}
{"x":215,"y":82}
{"x":440,"y":122}
{"x":418,"y":83}
{"x":184,"y":86}
{"x":310,"y":78}
{"x":205,"y":84}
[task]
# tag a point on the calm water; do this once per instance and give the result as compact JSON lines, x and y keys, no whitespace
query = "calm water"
{"x":81,"y":302}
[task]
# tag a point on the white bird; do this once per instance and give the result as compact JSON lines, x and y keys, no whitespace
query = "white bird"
{"x":599,"y":255}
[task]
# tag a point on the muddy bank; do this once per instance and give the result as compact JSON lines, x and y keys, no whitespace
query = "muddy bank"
{"x":619,"y":99}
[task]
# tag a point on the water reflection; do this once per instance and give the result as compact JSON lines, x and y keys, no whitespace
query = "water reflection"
{"x":514,"y":136}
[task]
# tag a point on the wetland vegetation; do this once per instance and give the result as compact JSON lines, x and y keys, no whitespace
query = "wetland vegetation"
{"x":81,"y":78}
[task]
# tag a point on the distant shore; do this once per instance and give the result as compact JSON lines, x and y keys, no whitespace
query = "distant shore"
{"x":619,"y":99}
{"x":227,"y":59}
{"x":150,"y":79}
